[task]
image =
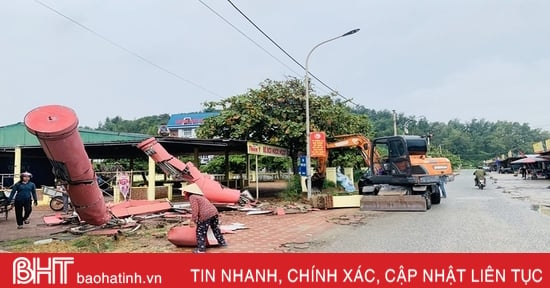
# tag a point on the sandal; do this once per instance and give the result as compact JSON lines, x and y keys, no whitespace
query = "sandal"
{"x":27,"y":222}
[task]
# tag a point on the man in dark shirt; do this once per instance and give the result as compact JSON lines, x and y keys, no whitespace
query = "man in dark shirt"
{"x":23,"y":194}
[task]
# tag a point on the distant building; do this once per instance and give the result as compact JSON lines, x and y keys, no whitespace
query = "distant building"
{"x":184,"y":125}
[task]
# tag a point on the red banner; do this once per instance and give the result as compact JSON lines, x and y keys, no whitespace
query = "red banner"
{"x":318,"y":146}
{"x":276,"y":270}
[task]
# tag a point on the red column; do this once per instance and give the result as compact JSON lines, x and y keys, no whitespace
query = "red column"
{"x":56,"y":128}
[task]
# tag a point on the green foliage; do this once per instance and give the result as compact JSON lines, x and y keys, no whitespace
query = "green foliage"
{"x":464,"y":143}
{"x":275,"y":113}
{"x":329,"y":184}
{"x":294,"y":189}
{"x":145,"y":125}
{"x":237,"y":164}
{"x":456,"y":161}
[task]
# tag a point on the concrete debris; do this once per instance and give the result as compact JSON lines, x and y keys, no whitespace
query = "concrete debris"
{"x":43,"y":241}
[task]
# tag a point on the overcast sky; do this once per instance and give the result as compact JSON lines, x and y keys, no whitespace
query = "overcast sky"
{"x":440,"y":59}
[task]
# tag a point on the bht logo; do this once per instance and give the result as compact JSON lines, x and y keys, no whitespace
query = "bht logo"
{"x":31,"y":271}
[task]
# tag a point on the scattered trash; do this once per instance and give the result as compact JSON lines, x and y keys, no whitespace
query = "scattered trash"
{"x":344,"y":181}
{"x":43,"y":241}
{"x":259,"y":212}
{"x":232,"y":227}
{"x":56,"y":219}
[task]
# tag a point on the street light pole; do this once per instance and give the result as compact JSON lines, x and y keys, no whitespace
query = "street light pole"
{"x":394,"y":123}
{"x":306,"y":83}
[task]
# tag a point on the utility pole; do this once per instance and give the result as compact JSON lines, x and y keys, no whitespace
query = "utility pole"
{"x":394,"y":123}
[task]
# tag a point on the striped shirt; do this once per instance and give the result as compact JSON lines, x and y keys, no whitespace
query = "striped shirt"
{"x":201,"y":208}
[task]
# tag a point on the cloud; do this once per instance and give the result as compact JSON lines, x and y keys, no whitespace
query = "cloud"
{"x":493,"y":90}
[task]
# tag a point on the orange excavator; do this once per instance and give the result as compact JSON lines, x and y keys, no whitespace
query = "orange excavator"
{"x":358,"y":141}
{"x":400,"y":175}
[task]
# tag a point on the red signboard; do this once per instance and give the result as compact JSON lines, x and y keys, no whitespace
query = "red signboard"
{"x":318,"y":146}
{"x":399,"y":270}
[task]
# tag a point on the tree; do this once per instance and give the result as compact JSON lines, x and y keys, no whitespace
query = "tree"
{"x":144,"y":125}
{"x":237,"y":164}
{"x":274,"y":114}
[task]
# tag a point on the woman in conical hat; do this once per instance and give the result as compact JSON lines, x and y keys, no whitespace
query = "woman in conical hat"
{"x":203,"y":215}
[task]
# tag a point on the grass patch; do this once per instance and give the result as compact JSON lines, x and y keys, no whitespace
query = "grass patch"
{"x":18,"y":242}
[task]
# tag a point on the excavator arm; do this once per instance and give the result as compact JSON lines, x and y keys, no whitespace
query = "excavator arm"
{"x":358,"y":141}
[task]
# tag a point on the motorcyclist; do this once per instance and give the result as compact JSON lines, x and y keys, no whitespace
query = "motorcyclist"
{"x":479,"y":174}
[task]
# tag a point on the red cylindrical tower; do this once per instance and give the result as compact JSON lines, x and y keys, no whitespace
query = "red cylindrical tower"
{"x":56,"y":128}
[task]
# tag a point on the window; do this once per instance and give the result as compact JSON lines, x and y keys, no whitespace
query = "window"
{"x":186,"y":133}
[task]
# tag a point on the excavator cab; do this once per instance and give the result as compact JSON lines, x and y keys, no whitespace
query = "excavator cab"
{"x":394,"y":158}
{"x":399,"y":178}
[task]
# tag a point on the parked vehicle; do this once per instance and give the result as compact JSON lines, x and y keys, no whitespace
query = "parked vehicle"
{"x":506,"y":170}
{"x":56,"y":202}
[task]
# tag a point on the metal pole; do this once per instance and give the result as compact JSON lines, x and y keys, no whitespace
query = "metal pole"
{"x":306,"y":83}
{"x":394,"y":123}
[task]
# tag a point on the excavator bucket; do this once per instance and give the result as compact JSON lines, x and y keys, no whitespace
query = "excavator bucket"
{"x":393,"y":203}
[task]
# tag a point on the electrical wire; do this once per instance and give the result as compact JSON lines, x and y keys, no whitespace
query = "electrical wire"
{"x":247,"y":37}
{"x":113,"y":43}
{"x":288,"y":54}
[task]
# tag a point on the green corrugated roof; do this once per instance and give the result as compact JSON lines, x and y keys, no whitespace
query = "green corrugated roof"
{"x":17,"y":135}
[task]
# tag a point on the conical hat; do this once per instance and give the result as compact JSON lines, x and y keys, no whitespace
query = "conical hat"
{"x":193,"y":189}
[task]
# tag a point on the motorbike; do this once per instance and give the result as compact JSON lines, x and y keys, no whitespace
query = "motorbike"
{"x":481,"y":184}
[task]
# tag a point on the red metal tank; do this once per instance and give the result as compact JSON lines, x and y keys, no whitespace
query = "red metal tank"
{"x":56,"y":128}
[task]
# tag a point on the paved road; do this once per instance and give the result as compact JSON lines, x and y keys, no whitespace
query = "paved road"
{"x":469,"y":220}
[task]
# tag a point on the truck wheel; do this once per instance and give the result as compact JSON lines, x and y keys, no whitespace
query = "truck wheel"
{"x":435,"y":197}
{"x":428,"y":203}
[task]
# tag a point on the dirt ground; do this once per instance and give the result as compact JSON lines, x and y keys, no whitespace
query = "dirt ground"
{"x":151,"y":235}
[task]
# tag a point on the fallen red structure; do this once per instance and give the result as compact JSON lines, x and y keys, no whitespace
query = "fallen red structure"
{"x":184,"y":236}
{"x":212,"y":190}
{"x":56,"y":128}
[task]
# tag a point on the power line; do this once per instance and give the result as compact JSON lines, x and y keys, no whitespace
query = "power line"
{"x":127,"y":50}
{"x":247,"y":37}
{"x":290,"y":56}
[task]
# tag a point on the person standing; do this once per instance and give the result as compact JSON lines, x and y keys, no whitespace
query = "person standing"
{"x":442,"y":180}
{"x":23,"y":194}
{"x":203,"y":215}
{"x":61,"y":187}
{"x":523,"y":171}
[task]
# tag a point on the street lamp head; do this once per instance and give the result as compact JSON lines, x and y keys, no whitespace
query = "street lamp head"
{"x":351,"y":32}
